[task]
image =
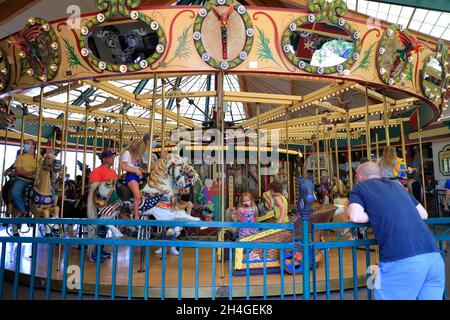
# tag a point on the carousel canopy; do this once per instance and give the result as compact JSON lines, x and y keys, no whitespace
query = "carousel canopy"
{"x":307,"y":102}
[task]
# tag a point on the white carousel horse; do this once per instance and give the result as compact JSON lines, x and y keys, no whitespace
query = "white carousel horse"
{"x":98,"y":206}
{"x":171,"y":174}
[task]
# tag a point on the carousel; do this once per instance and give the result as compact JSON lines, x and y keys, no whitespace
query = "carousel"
{"x":231,"y":98}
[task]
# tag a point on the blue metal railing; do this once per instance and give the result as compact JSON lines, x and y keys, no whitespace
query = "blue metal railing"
{"x":66,"y":243}
{"x":343,"y":248}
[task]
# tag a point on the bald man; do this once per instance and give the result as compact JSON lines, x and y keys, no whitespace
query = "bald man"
{"x":411,"y":267}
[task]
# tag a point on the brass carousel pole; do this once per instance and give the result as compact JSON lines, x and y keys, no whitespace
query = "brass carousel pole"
{"x":258,"y":142}
{"x":95,"y":144}
{"x":103,"y":138}
{"x":83,"y":179}
{"x":386,"y":121}
{"x":368,"y":137}
{"x":349,"y":151}
{"x":377,"y":146}
{"x":22,"y":129}
{"x":318,"y":148}
{"x":402,"y":132}
{"x":122,"y":128}
{"x":76,"y":153}
{"x":325,"y":151}
{"x":336,"y":150}
{"x":151,"y":118}
{"x":41,"y":116}
{"x":419,"y":131}
{"x":64,"y":141}
{"x":164,"y":118}
{"x":288,"y":174}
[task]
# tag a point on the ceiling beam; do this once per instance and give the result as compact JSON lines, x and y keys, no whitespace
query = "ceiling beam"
{"x":131,"y":99}
{"x":81,"y":110}
{"x":373,"y":94}
{"x":307,"y":99}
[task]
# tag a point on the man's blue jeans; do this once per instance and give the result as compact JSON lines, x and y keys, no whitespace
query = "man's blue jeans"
{"x":421,"y":277}
{"x":17,"y":194}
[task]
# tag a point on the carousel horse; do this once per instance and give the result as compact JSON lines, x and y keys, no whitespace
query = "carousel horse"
{"x":41,"y":199}
{"x":104,"y":203}
{"x":159,"y":195}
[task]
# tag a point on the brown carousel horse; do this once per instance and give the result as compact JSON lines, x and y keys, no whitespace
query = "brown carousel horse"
{"x":41,"y":199}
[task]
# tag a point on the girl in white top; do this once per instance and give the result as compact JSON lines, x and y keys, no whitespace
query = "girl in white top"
{"x":130,"y":164}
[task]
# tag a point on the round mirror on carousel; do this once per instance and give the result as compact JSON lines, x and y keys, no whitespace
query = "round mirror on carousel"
{"x":323,"y":47}
{"x":434,"y":75}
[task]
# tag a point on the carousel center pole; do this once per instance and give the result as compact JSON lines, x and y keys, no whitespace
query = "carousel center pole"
{"x":221,"y":127}
{"x":419,"y":131}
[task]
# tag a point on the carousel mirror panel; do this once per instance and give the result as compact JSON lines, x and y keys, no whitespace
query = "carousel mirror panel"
{"x":127,"y":42}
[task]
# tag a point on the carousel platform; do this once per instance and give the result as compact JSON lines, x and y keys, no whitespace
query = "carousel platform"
{"x":188,"y":280}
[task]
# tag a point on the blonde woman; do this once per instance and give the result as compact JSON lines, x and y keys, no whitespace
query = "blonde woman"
{"x":131,"y":165}
{"x":388,"y":163}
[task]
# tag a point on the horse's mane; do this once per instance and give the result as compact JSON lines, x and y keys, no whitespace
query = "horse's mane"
{"x":91,"y":208}
{"x":159,"y":174}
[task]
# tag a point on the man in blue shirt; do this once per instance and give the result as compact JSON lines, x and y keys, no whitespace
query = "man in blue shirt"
{"x":411,"y":266}
{"x":447,"y":194}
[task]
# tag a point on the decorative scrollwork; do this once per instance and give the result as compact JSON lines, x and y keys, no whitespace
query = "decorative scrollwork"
{"x":224,"y":64}
{"x":126,"y":9}
{"x":40,"y":53}
{"x":334,"y":10}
